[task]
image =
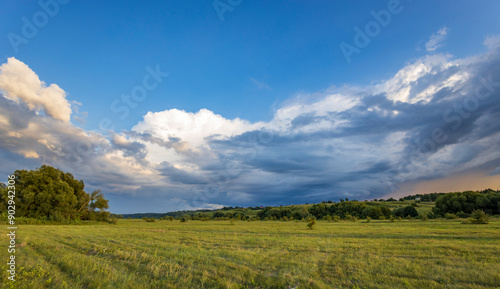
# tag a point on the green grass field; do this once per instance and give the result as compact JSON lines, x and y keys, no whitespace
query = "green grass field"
{"x":260,"y":254}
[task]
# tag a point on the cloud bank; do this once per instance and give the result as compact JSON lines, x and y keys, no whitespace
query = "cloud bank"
{"x":437,"y":117}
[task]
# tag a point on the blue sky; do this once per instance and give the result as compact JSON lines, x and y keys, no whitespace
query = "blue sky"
{"x":265,"y":90}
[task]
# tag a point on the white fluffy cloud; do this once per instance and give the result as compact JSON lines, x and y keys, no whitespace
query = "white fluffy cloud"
{"x":186,"y":134}
{"x":422,"y":79}
{"x":20,"y":83}
{"x":190,"y":127}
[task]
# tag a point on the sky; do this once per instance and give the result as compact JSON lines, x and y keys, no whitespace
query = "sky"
{"x":169,"y":105}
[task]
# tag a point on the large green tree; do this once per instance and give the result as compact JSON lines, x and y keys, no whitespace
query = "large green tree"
{"x":49,"y":193}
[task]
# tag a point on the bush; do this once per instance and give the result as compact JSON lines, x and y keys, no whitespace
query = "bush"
{"x":392,"y":219}
{"x":424,"y":217}
{"x":368,"y":219}
{"x":112,"y":221}
{"x":311,"y":224}
{"x":183,"y":219}
{"x":450,"y":216}
{"x":479,"y":217}
{"x":336,"y":218}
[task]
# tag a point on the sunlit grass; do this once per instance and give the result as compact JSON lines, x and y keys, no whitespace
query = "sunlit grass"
{"x":261,"y":254}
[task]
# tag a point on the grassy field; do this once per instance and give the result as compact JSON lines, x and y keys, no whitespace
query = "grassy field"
{"x":261,"y":254}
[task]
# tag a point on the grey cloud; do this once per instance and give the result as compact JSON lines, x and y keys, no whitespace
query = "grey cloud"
{"x":181,"y":176}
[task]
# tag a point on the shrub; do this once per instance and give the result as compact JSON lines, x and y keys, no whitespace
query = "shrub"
{"x":450,"y":216}
{"x":336,"y":218}
{"x":311,"y":224}
{"x":183,"y":219}
{"x":368,"y":219}
{"x":479,"y":217}
{"x":328,"y":218}
{"x":424,"y":217}
{"x":112,"y":221}
{"x":392,"y":219}
{"x":149,"y":219}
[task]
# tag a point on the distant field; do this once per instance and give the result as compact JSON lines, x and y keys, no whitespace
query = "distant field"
{"x":260,"y":254}
{"x":423,"y":207}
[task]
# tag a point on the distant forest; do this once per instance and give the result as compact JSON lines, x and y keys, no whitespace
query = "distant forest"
{"x":462,"y":204}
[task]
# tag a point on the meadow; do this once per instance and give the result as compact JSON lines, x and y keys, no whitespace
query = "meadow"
{"x":258,"y":254}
